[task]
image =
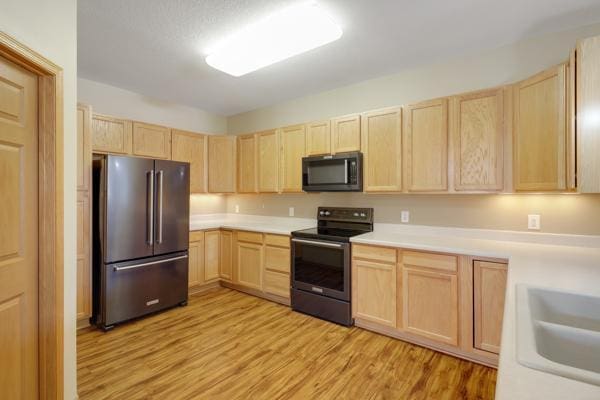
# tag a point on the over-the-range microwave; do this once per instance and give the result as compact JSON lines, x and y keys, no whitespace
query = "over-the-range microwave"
{"x":332,"y":173}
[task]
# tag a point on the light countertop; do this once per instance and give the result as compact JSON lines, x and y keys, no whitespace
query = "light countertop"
{"x":568,"y":262}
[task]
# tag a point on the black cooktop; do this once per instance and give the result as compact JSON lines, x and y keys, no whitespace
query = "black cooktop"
{"x":339,"y":224}
{"x":341,"y":235}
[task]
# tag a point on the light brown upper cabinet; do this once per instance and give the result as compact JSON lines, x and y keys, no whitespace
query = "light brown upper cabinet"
{"x":318,"y":138}
{"x":345,"y":134}
{"x":151,"y":140}
{"x":221,"y":164}
{"x":293,"y":139}
{"x":84,"y":149}
{"x":588,"y":115}
{"x":426,"y":146}
{"x":246,"y":165}
{"x":478,"y":133}
{"x":382,"y":147}
{"x":268,"y":161}
{"x":539,"y":129}
{"x":430,"y":295}
{"x":111,"y":135}
{"x":191,"y":147}
{"x":489,"y":287}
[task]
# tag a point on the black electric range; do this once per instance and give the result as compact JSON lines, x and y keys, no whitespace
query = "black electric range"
{"x":321,"y":263}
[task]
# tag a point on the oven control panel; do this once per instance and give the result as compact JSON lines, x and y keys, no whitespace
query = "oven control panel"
{"x":344,"y":214}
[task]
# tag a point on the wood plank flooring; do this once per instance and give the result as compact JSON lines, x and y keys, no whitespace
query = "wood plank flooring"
{"x":229,"y":345}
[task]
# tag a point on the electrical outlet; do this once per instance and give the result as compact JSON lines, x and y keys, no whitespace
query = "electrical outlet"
{"x":405,"y":217}
{"x":291,"y":211}
{"x":533,"y":222}
{"x":237,"y":208}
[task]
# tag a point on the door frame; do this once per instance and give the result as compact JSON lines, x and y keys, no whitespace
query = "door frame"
{"x":50,"y":205}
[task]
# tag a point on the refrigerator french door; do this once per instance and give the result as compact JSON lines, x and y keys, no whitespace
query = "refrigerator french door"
{"x":141,"y":233}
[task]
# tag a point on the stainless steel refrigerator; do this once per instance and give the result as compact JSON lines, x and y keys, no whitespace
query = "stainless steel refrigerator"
{"x":140,"y":237}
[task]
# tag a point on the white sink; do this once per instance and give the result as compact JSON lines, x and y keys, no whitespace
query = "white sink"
{"x":559,"y":333}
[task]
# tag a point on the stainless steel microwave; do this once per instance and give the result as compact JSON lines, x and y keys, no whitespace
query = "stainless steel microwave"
{"x":332,"y":173}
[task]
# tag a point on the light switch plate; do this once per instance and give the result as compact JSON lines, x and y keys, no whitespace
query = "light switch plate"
{"x":533,"y":222}
{"x":405,"y":217}
{"x":291,"y":211}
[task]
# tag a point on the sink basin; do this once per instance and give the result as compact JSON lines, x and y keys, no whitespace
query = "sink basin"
{"x":559,"y":333}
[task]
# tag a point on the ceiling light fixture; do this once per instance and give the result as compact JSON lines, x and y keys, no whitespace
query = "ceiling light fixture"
{"x":289,"y":32}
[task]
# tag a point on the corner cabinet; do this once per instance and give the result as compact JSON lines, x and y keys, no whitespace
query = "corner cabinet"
{"x":293,"y":139}
{"x":191,"y":147}
{"x":246,"y":164}
{"x":426,"y":146}
{"x":151,"y":141}
{"x":221,"y":164}
{"x":111,"y":135}
{"x":478,"y":134}
{"x":539,"y":131}
{"x":382,"y":147}
{"x":268,"y":161}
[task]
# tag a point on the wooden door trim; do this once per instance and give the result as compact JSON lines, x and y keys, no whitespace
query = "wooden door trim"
{"x":50,"y":203}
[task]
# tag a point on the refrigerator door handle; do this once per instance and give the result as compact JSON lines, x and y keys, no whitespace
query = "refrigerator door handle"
{"x":150,"y":263}
{"x":150,"y":207}
{"x":159,"y":178}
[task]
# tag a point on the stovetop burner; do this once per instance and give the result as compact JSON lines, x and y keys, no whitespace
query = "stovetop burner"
{"x":339,"y":224}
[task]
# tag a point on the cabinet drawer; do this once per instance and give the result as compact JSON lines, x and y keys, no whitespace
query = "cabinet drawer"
{"x":374,"y":253}
{"x":277,"y":259}
{"x":440,"y":262}
{"x":252,"y":237}
{"x":196,"y":236}
{"x":277,"y":240}
{"x":277,"y":283}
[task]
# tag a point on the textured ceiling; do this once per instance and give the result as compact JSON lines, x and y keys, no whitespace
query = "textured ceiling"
{"x":157,"y":47}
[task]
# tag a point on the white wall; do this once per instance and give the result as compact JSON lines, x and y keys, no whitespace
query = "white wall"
{"x":477,"y":71}
{"x":50,"y":28}
{"x":117,"y":102}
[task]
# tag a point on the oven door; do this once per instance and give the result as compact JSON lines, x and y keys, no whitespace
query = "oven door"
{"x":321,"y":267}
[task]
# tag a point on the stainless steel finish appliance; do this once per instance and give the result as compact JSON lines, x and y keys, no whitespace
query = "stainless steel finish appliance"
{"x":332,"y":173}
{"x":140,"y":237}
{"x":321,"y":263}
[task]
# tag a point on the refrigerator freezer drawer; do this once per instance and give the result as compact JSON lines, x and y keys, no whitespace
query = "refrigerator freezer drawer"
{"x":140,"y":287}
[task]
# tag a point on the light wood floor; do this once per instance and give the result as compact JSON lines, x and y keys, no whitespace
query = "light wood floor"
{"x":229,"y":345}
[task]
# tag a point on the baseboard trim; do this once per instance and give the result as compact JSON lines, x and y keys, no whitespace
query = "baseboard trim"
{"x":256,"y":293}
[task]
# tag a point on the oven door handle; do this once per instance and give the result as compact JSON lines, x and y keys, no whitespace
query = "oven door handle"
{"x":321,"y":244}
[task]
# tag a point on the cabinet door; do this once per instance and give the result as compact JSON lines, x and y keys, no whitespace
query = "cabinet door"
{"x":211,"y":255}
{"x":111,"y":135}
{"x":84,"y":266}
{"x":318,"y":138}
{"x":246,"y":150}
{"x":426,"y":146}
{"x":374,"y":291}
{"x":268,"y":162}
{"x":588,"y":127}
{"x":381,"y":144}
{"x":249,"y":265}
{"x":191,"y":147}
{"x":196,"y":263}
{"x":277,"y":266}
{"x":539,"y":141}
{"x":221,"y":164}
{"x":292,"y":150}
{"x":489,"y":286}
{"x":345,"y":134}
{"x":478,"y":132}
{"x":151,"y":140}
{"x":84,"y":147}
{"x":226,"y":253}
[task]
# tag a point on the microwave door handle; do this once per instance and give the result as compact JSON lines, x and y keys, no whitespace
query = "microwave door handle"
{"x":346,"y":171}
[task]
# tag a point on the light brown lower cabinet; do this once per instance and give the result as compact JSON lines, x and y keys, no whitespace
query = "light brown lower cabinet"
{"x":448,"y":302}
{"x":196,"y":259}
{"x":276,"y":278}
{"x":211,"y":255}
{"x":249,"y":258}
{"x":489,"y":286}
{"x":226,"y":255}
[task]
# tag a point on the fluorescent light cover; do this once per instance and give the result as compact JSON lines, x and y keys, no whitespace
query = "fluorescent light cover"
{"x":282,"y":35}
